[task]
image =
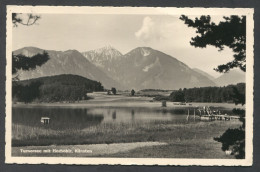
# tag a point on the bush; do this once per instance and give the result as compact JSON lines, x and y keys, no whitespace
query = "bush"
{"x":113,"y":90}
{"x":234,"y":140}
{"x":132,"y":92}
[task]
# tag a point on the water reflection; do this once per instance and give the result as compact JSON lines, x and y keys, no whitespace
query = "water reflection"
{"x":133,"y":115}
{"x":61,"y":117}
{"x":114,"y":115}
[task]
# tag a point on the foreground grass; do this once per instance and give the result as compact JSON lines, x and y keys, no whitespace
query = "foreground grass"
{"x":190,"y":140}
{"x":119,"y":133}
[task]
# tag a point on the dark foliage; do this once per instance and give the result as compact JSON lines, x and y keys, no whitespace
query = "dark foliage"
{"x":230,"y":93}
{"x":29,"y":20}
{"x":113,"y":90}
{"x":230,"y":33}
{"x":234,"y":140}
{"x":132,"y":92}
{"x":238,"y":111}
{"x":21,"y":62}
{"x":148,"y":90}
{"x":177,"y":96}
{"x":26,"y":93}
{"x":58,"y":88}
{"x":239,"y":94}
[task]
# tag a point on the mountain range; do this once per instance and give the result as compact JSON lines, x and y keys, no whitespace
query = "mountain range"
{"x":65,"y":62}
{"x":144,"y":68}
{"x":212,"y":78}
{"x":141,"y":68}
{"x":232,"y":77}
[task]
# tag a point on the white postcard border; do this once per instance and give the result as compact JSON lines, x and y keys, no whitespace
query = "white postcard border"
{"x":134,"y":10}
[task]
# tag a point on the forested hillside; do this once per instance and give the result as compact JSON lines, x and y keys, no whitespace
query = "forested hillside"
{"x":54,"y":88}
{"x":230,"y":93}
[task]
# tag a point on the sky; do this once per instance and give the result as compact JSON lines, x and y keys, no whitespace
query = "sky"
{"x":124,"y":32}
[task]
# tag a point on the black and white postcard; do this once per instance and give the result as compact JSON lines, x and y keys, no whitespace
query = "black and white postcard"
{"x":129,"y":85}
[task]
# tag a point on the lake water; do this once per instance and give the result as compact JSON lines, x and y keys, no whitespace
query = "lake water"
{"x":78,"y":117}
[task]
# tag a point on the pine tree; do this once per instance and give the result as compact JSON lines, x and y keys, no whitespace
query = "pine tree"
{"x":20,"y":61}
{"x":230,"y":33}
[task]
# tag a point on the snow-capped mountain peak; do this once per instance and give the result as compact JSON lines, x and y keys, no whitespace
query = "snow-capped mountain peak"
{"x":106,"y":53}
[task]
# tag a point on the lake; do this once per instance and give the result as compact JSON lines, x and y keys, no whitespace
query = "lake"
{"x":80,"y":117}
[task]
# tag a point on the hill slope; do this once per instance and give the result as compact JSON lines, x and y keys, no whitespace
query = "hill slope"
{"x":204,"y":73}
{"x":232,"y":77}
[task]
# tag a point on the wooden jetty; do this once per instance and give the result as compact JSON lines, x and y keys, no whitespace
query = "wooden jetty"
{"x":218,"y":117}
{"x":208,"y":114}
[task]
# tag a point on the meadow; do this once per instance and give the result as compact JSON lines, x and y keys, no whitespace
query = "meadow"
{"x":190,"y":137}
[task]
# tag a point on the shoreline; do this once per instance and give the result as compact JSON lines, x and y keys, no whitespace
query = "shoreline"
{"x":102,"y":100}
{"x":134,"y":104}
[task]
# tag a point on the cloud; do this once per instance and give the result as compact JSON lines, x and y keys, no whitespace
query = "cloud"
{"x":154,"y":30}
{"x":147,"y":31}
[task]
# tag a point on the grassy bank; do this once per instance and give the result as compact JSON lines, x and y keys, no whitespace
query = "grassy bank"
{"x":166,"y":131}
{"x":191,"y":140}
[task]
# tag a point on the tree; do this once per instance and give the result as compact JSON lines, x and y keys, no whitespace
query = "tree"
{"x":113,"y":90}
{"x":234,"y":139}
{"x":28,"y":63}
{"x":20,"y":61}
{"x":230,"y":33}
{"x":132,"y":92}
{"x":29,"y":20}
{"x":27,"y":93}
{"x":239,"y":94}
{"x":177,"y":96}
